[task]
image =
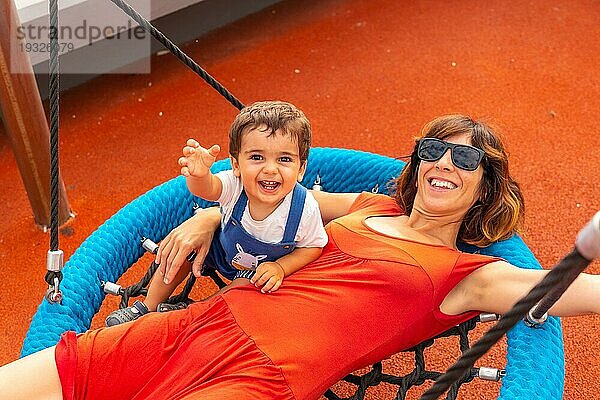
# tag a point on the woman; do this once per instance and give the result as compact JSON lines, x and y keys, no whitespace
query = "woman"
{"x":389,"y":278}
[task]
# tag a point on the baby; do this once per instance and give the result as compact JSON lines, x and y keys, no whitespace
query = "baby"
{"x":271,"y":225}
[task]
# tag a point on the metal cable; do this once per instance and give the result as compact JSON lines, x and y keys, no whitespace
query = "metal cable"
{"x":54,"y":261}
{"x":172,"y":47}
{"x":54,"y":93}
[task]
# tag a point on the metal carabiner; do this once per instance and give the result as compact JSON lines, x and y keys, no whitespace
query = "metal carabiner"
{"x":53,"y":294}
{"x":317,"y":185}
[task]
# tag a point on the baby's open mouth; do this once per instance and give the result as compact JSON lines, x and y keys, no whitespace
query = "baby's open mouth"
{"x":269,"y":185}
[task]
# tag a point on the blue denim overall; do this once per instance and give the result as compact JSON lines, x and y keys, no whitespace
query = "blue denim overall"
{"x":235,"y":253}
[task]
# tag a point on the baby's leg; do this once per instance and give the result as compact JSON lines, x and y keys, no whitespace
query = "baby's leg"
{"x":31,"y":377}
{"x":159,"y":291}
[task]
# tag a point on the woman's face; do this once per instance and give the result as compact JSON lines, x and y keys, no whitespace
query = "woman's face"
{"x":443,"y":189}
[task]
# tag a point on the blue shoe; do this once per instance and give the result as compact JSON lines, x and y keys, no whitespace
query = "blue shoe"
{"x":126,"y":314}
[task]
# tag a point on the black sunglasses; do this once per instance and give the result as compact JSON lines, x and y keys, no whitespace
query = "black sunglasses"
{"x":463,"y":156}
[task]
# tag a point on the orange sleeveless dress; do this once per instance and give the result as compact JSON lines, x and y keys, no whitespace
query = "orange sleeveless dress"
{"x":367,"y":297}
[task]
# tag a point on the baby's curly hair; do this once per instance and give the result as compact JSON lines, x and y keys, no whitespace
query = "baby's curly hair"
{"x":275,"y":116}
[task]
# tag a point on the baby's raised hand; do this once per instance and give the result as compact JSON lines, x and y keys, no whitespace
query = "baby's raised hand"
{"x":269,"y":276}
{"x":197,"y":160}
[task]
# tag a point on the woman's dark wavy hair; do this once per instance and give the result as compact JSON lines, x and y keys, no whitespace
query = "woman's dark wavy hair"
{"x":499,"y":212}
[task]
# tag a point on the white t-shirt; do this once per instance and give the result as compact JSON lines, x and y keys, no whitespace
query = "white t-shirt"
{"x":310,"y":233}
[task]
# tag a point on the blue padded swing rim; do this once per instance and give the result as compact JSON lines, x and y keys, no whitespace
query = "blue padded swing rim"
{"x":535,"y":357}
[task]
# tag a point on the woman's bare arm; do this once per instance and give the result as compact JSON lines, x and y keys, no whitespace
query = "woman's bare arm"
{"x":496,"y":287}
{"x":194,"y":234}
{"x":333,"y":205}
{"x":32,"y":377}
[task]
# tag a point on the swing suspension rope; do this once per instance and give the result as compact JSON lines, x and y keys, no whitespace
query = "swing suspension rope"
{"x":55,"y":258}
{"x":184,"y":58}
{"x":534,"y":305}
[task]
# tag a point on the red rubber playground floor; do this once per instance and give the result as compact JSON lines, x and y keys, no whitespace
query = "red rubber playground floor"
{"x":368,"y":74}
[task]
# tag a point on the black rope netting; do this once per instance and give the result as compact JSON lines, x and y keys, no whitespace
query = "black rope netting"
{"x":418,"y":375}
{"x":141,"y":289}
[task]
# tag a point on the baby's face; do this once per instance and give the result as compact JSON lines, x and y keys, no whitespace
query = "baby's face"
{"x":269,"y":167}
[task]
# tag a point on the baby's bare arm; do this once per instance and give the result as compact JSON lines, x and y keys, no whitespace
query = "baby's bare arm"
{"x":195,"y":166}
{"x":298,"y":258}
{"x":269,"y":275}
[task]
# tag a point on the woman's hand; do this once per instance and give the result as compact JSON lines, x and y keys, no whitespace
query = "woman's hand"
{"x":194,"y":234}
{"x":269,"y":276}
